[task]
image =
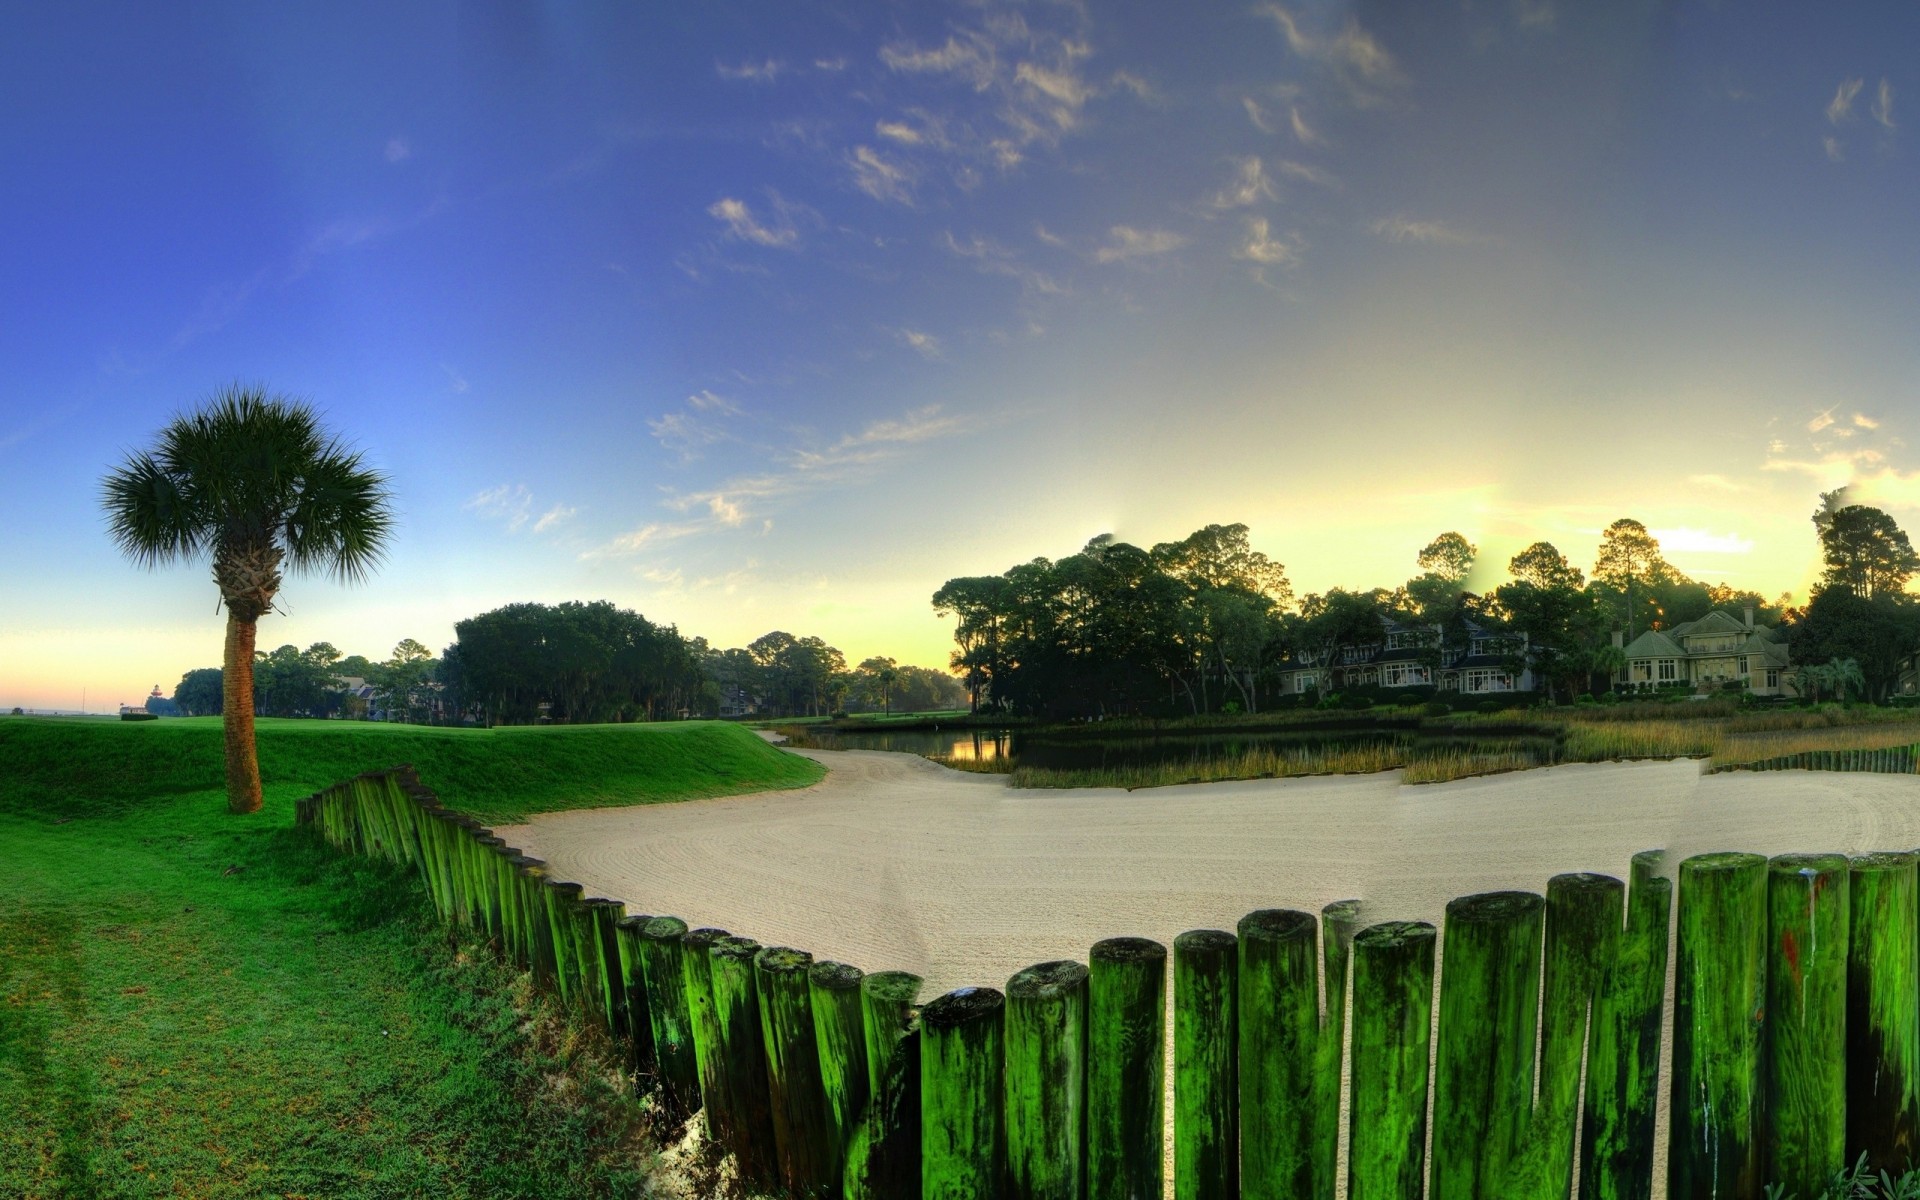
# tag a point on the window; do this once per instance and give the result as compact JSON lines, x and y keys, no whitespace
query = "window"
{"x":1397,"y":675}
{"x":1485,"y":679}
{"x":1408,"y":639}
{"x":1669,"y":670}
{"x":1304,"y":681}
{"x":1773,"y":678}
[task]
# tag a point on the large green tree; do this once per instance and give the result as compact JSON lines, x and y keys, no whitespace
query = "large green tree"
{"x":252,"y":485}
{"x":1864,"y":549}
{"x":1624,"y":572}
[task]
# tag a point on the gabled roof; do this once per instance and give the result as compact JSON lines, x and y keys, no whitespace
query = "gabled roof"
{"x":1715,"y":622}
{"x":1654,"y":644}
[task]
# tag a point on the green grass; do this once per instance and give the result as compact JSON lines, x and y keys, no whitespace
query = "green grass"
{"x":198,"y":1004}
{"x":70,"y":767}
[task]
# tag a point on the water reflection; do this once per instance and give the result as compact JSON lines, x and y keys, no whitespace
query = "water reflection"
{"x":1052,"y":750}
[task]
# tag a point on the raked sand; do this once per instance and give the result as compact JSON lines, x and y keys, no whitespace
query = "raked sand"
{"x":894,"y":863}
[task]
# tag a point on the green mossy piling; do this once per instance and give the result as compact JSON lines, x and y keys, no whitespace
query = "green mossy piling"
{"x":1126,"y":1068}
{"x":696,"y":967}
{"x":743,"y":1061}
{"x":1883,"y":1014}
{"x":1489,"y":1015}
{"x":1206,"y":1065}
{"x":963,"y":1138}
{"x":804,"y":1132}
{"x":1623,"y":1063}
{"x":839,"y":1036}
{"x":668,"y":1018}
{"x":1279,"y":1010}
{"x":1806,"y":1022}
{"x":636,"y":1025}
{"x":1714,"y":1148}
{"x":1392,"y":1038}
{"x":1338,"y":921}
{"x":1046,"y":1081}
{"x":603,"y":916}
{"x":561,"y":897}
{"x":883,"y":1149}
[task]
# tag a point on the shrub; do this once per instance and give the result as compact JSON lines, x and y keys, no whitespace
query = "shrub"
{"x":1357,"y":701}
{"x":1492,"y":706}
{"x":1436,"y":708}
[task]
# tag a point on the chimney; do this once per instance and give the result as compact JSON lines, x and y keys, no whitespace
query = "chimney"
{"x":1749,"y":616}
{"x":1619,"y":640}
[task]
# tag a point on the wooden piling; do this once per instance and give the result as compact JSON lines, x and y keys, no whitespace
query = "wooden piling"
{"x":1206,"y":1065}
{"x":1338,"y":923}
{"x":669,"y":1020}
{"x":1046,"y":1081}
{"x":1806,"y":1024}
{"x":1279,"y":1010}
{"x":883,"y":1152}
{"x":743,"y":1061}
{"x":839,"y":1035}
{"x":561,"y":897}
{"x":1489,"y":1015}
{"x":889,"y":1004}
{"x":1392,"y":1037}
{"x":963,"y":1138}
{"x":804,"y":1137}
{"x":696,"y":965}
{"x":1623,"y":1057}
{"x":1714,"y":1147}
{"x":637,"y":1024}
{"x":1126,"y":1068}
{"x":603,"y":961}
{"x":1883,"y":1012}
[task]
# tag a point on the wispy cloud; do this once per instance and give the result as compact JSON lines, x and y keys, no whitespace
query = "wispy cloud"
{"x":1126,"y":244}
{"x":1719,"y":483}
{"x":687,"y":432}
{"x":1882,"y":106}
{"x":740,"y":502}
{"x":1258,"y":115}
{"x":1431,"y":233}
{"x":1353,"y":55}
{"x":1260,"y":246}
{"x":920,"y":342}
{"x":880,"y":177}
{"x":553,"y":517}
{"x":765,"y":71}
{"x":777,"y":231}
{"x":1841,"y":106}
{"x":1318,"y":176}
{"x":399,"y":149}
{"x":1686,"y":540}
{"x":1863,"y":421}
{"x":511,"y":504}
{"x":1249,"y":185}
{"x":991,"y":258}
{"x":1835,"y":152}
{"x":1301,"y":130}
{"x":456,"y":383}
{"x":708,"y":401}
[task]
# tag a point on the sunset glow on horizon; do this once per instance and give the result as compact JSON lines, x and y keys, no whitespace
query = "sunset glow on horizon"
{"x":757,"y":317}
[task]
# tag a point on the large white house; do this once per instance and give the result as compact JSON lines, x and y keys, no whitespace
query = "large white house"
{"x":1709,"y":653}
{"x":1478,"y":668}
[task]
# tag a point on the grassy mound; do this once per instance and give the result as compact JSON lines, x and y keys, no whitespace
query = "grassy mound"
{"x":85,"y":767}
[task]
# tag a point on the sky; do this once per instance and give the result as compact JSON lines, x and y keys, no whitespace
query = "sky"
{"x":769,"y":316}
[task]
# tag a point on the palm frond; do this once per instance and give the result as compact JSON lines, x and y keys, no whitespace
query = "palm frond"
{"x":342,"y":517}
{"x":150,"y":516}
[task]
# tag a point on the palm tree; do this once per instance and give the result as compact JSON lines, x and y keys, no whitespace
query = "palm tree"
{"x":251,"y":484}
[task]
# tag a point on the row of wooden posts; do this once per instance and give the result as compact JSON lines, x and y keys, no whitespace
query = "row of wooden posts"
{"x":1891,"y":760}
{"x":1796,"y":1035}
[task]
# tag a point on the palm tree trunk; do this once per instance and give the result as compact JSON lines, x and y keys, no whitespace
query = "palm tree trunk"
{"x":236,"y":685}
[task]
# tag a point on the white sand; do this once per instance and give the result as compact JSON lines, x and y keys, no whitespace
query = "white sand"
{"x":892,"y":862}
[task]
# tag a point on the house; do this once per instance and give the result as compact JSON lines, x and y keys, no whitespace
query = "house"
{"x":1403,"y":660}
{"x":1707,"y":654}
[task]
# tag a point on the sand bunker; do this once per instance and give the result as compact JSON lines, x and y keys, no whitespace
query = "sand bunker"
{"x":894,"y":863}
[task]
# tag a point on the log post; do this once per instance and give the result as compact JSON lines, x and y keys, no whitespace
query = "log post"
{"x":743,"y":1060}
{"x":696,"y":965}
{"x":561,"y":896}
{"x":804,"y":1136}
{"x":1279,"y":1008}
{"x":1489,"y":1015}
{"x":1883,"y":1011}
{"x":1720,"y":997}
{"x":839,"y":1036}
{"x":1046,"y":1081}
{"x":888,"y":1005}
{"x":603,"y":961}
{"x":638,"y":1025}
{"x":962,"y":1138}
{"x":1338,"y":922}
{"x":1126,"y":1068}
{"x":1806,"y":1026}
{"x":671,"y":1023}
{"x":1392,"y":1037}
{"x":883,"y":1153}
{"x":1206,"y":1066}
{"x":1623,"y":1056}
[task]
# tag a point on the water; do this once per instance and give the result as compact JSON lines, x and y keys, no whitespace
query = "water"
{"x":1091,"y":749}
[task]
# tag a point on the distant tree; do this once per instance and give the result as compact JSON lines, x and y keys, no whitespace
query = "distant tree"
{"x":199,"y":692}
{"x":877,"y":676}
{"x":251,"y":483}
{"x":1548,"y":604}
{"x":406,"y":678}
{"x":1541,"y":565}
{"x":1627,"y":564}
{"x":1438,"y":602}
{"x":1337,"y":623}
{"x":1876,"y":634}
{"x":1865,"y":550}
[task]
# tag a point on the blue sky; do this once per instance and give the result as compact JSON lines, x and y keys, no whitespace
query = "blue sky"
{"x":770,"y":316}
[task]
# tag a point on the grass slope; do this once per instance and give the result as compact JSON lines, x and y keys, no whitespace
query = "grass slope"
{"x":76,"y":766}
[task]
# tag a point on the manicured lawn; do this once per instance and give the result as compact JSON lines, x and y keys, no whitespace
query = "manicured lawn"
{"x":198,"y":1004}
{"x":67,"y":767}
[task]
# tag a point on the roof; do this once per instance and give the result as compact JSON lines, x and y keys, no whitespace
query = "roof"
{"x":1715,"y":622}
{"x":1654,"y":644}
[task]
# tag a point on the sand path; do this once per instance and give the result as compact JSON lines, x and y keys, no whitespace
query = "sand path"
{"x":892,"y":862}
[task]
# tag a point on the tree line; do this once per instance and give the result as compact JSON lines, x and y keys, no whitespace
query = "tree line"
{"x":573,"y":663}
{"x":1207,"y":624}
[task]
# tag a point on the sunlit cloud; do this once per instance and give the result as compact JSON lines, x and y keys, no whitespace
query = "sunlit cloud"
{"x":1719,"y":483}
{"x":1249,"y":185}
{"x":1841,"y":106}
{"x":765,"y":71}
{"x":1882,"y":107}
{"x":1257,"y":115}
{"x":1432,"y":233}
{"x":1863,"y":421}
{"x":1684,"y":540}
{"x":1301,"y":130}
{"x":1820,"y":421}
{"x":899,"y":131}
{"x":741,"y":223}
{"x":1260,"y":246}
{"x":1352,"y":54}
{"x":880,"y":177}
{"x":1127,"y":244}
